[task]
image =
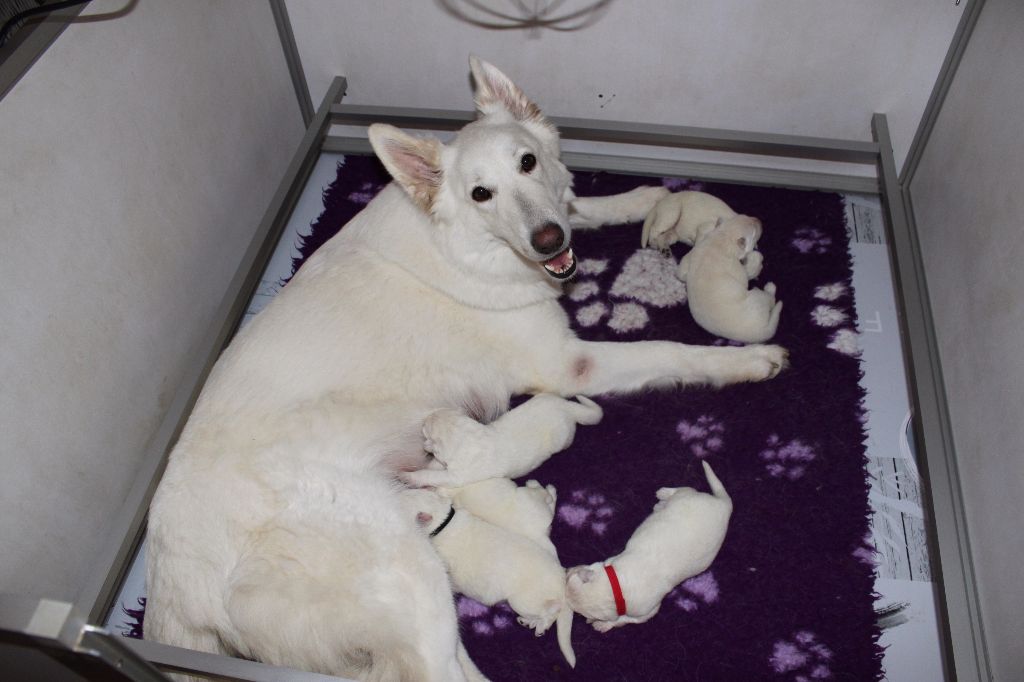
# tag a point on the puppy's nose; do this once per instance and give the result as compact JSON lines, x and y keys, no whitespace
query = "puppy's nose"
{"x":548,"y":239}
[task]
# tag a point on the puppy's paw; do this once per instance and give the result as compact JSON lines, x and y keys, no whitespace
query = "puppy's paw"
{"x":587,"y":412}
{"x":753,"y":264}
{"x":451,"y":437}
{"x":603,"y":625}
{"x":660,"y":223}
{"x":429,"y":478}
{"x":538,"y":624}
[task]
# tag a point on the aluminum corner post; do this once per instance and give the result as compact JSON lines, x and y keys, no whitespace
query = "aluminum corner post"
{"x":123,"y":535}
{"x":964,"y":652}
{"x":53,"y":639}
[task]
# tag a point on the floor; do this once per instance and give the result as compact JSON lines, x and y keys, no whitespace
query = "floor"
{"x":906,"y":593}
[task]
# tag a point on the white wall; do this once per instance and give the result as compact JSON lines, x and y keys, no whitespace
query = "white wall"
{"x":807,"y":67}
{"x":138,"y":155}
{"x":970,"y":213}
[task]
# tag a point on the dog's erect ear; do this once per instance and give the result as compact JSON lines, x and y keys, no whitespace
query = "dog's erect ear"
{"x":496,"y":90}
{"x":414,"y":162}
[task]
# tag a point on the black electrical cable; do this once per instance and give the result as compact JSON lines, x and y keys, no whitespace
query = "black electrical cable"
{"x":34,"y":11}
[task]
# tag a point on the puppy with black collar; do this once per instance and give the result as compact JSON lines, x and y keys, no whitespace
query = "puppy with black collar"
{"x":677,"y":541}
{"x":489,"y":563}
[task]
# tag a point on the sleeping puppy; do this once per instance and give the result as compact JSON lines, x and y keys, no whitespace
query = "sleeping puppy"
{"x":490,"y":564}
{"x":466,"y":451}
{"x":716,"y":271}
{"x":677,"y":541}
{"x":526,"y":510}
{"x":683,"y":217}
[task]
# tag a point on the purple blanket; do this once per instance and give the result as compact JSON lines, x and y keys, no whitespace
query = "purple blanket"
{"x":790,"y":596}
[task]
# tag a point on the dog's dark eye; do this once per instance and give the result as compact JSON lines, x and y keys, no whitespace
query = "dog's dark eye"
{"x":527,"y":163}
{"x":481,"y":194}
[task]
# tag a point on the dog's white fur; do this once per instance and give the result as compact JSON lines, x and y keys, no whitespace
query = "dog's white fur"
{"x":677,"y":541}
{"x":526,"y":509}
{"x":276,"y":532}
{"x":683,"y":217}
{"x":510,"y":447}
{"x":492,"y":563}
{"x":716,"y":271}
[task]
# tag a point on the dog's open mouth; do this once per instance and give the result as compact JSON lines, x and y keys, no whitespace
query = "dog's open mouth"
{"x":562,"y":266}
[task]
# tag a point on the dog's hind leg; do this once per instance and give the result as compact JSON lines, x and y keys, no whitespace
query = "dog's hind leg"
{"x":350,"y":599}
{"x":617,"y":209}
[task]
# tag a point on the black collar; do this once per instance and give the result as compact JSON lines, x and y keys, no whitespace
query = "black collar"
{"x":451,"y":513}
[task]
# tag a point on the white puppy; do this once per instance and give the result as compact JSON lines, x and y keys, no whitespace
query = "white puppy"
{"x":466,"y":451}
{"x":683,"y":217}
{"x":490,"y":564}
{"x":527,"y":510}
{"x":716,"y":272}
{"x":677,"y":541}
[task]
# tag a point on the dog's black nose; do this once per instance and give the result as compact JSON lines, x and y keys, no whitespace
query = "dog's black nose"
{"x":548,"y":239}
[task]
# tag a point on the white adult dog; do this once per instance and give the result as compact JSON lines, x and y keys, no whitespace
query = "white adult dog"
{"x":277,"y":532}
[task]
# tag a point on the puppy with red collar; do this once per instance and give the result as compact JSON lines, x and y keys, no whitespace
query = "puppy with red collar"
{"x":677,"y":541}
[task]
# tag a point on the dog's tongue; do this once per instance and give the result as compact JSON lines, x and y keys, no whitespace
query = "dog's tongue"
{"x":561,"y":266}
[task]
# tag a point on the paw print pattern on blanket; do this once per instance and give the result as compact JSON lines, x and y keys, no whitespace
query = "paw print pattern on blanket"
{"x":789,"y":460}
{"x":647,"y":279}
{"x":483,"y":619}
{"x":366,"y":191}
{"x":691,"y":593}
{"x":679,"y":184}
{"x":802,"y":656}
{"x":811,"y":240}
{"x":845,"y":339}
{"x":703,"y":435}
{"x":588,"y":510}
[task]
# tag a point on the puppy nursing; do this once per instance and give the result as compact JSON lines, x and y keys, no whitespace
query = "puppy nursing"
{"x":492,"y":563}
{"x":677,"y":541}
{"x":716,"y":271}
{"x":466,"y":450}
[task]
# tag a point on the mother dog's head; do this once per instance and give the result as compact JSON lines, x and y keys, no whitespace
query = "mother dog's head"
{"x":498,"y":193}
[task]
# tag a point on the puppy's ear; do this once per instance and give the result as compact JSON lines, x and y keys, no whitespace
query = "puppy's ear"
{"x":414,"y":162}
{"x":581,"y":574}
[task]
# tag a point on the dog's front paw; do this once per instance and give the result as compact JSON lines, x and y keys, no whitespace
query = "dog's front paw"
{"x":603,"y":625}
{"x":765,"y":361}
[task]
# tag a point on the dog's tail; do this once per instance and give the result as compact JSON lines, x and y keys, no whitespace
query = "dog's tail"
{"x":717,"y":489}
{"x":563,"y":629}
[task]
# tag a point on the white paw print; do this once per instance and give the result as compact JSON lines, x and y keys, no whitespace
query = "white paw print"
{"x":827,"y":316}
{"x":846,"y":342}
{"x":647,"y":279}
{"x":628,"y":317}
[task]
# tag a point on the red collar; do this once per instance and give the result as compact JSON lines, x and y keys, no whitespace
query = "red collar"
{"x":620,"y":601}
